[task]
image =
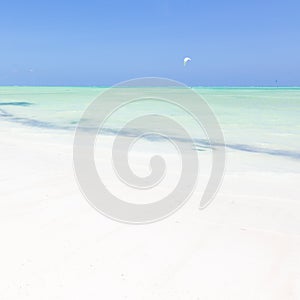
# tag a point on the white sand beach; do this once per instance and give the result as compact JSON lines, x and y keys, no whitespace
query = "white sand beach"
{"x":54,"y":245}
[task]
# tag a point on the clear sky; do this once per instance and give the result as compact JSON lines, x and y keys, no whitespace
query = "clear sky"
{"x":103,"y":42}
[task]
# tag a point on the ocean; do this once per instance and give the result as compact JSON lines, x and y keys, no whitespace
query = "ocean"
{"x":258,"y":121}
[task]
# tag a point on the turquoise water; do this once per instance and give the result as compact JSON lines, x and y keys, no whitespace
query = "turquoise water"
{"x":259,"y":120}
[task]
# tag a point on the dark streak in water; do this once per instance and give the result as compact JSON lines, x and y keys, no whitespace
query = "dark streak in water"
{"x":32,"y":122}
{"x":202,"y":144}
{"x":199,"y":145}
{"x":275,"y":152}
{"x":39,"y":124}
{"x":15,"y":103}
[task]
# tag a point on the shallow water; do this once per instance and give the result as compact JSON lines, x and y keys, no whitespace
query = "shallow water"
{"x":254,"y":120}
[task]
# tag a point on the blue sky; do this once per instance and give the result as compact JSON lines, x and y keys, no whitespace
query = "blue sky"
{"x":231,"y":43}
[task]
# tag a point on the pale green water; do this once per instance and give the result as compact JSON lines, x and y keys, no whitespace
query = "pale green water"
{"x":252,"y":119}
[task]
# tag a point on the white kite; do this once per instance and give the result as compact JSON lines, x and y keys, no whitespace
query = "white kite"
{"x":186,"y":60}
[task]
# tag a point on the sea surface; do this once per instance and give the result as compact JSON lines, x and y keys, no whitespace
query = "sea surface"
{"x":263,"y":121}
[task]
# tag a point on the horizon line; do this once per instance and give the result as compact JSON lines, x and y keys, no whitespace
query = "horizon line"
{"x":194,"y":86}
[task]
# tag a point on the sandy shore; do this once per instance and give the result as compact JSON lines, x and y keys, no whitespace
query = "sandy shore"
{"x":54,"y":245}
